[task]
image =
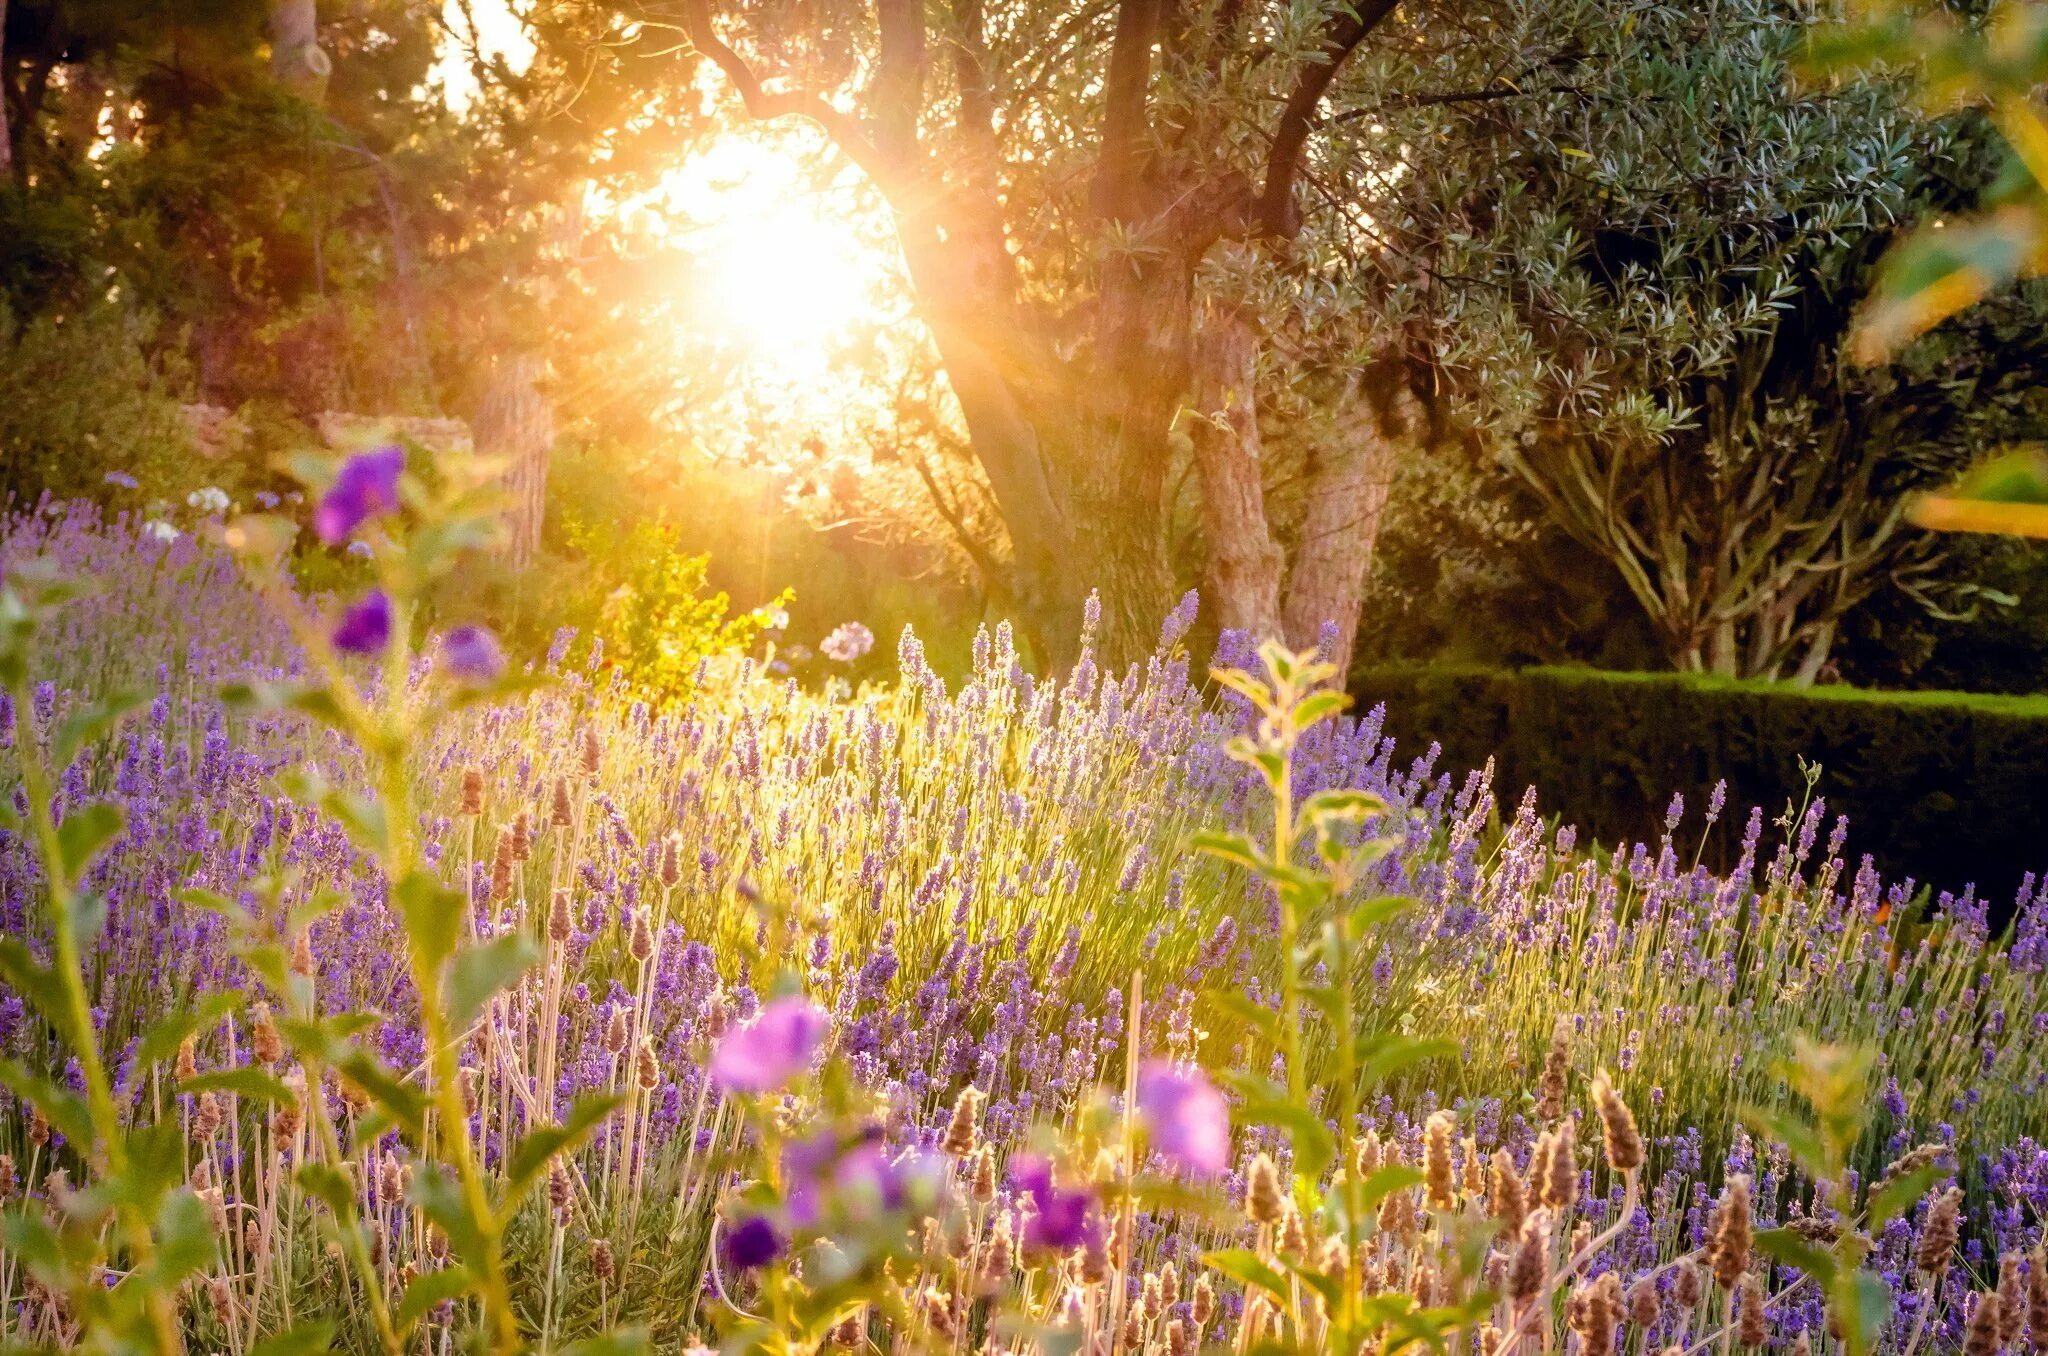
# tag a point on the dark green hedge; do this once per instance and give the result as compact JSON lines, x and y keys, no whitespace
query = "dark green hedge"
{"x":1950,"y":788}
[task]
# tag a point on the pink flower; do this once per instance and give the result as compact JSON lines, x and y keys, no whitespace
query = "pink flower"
{"x":770,"y":1050}
{"x":1186,"y":1116}
{"x":367,"y":486}
{"x":366,"y":627}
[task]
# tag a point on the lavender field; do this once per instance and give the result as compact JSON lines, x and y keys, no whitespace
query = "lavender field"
{"x":363,"y":995}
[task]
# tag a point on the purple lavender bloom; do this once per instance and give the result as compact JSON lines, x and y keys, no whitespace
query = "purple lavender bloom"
{"x":121,"y":480}
{"x":367,"y":486}
{"x":366,"y":627}
{"x":753,"y":1242}
{"x":1186,"y":1116}
{"x":472,"y":655}
{"x":1061,"y":1219}
{"x":770,"y":1050}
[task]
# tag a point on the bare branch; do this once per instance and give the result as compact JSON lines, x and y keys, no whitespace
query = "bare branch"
{"x":1348,"y":28}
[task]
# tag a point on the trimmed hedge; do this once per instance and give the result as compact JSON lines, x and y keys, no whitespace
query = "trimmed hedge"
{"x":1950,"y":788}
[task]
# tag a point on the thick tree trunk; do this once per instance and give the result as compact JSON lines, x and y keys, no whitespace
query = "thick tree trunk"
{"x":295,"y":56}
{"x":1349,"y":480}
{"x":1242,"y":581}
{"x":515,"y":425}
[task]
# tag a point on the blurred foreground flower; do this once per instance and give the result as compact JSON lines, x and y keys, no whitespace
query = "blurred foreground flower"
{"x":770,"y":1050}
{"x":1186,"y":1116}
{"x":471,"y":654}
{"x":848,"y":642}
{"x":1062,"y":1218}
{"x":367,"y":486}
{"x":366,"y":627}
{"x":2007,"y":494}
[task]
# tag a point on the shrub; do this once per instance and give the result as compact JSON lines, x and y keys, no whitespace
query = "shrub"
{"x":1943,"y":786}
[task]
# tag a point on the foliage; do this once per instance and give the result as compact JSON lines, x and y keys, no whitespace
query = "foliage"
{"x":80,"y":398}
{"x":1932,"y":776}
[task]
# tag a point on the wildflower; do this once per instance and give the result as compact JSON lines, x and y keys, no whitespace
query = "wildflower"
{"x":366,"y":486}
{"x":1938,"y":1235}
{"x":471,"y":655}
{"x":1186,"y":1116}
{"x":208,"y":499}
{"x":366,"y":627}
{"x":156,"y":529}
{"x":848,"y":642}
{"x":121,"y":480}
{"x":771,"y":1049}
{"x":753,"y":1242}
{"x":1621,"y":1141}
{"x":1728,"y":1249}
{"x":1062,"y":1218}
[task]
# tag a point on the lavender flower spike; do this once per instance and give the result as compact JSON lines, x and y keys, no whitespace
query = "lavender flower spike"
{"x":1186,"y":1116}
{"x":366,"y":627}
{"x":770,"y":1050}
{"x":367,"y":486}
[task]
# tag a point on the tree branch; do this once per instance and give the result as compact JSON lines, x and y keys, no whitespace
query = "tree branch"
{"x":1278,"y":214}
{"x":1120,"y":169}
{"x":898,"y":94}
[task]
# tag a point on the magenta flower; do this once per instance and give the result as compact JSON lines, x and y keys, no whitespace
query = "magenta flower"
{"x":367,"y":486}
{"x":1061,"y":1218}
{"x":366,"y":627}
{"x":471,"y":654}
{"x":1186,"y":1116}
{"x":770,"y":1050}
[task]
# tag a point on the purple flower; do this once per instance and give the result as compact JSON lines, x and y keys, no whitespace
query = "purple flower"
{"x":121,"y":480}
{"x":472,"y":655}
{"x":366,"y":627}
{"x":1186,"y":1116}
{"x":848,"y":642}
{"x":753,"y":1242}
{"x":367,"y":486}
{"x":1061,"y":1219}
{"x":770,"y":1050}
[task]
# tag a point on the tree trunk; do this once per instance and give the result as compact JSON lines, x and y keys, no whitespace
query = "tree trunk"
{"x":1348,"y":485}
{"x":1242,"y":582}
{"x":6,"y":93}
{"x":515,"y":425}
{"x":295,"y":56}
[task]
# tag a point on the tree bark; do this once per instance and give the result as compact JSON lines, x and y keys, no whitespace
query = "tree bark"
{"x":1353,"y":472}
{"x":295,"y":55}
{"x":6,"y":94}
{"x":1243,"y":579}
{"x":515,"y":425}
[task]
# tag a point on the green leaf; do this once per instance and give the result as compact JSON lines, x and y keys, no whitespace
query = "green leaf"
{"x":1258,"y":1017}
{"x":160,"y":1041}
{"x":1315,"y":1148}
{"x":212,"y":901}
{"x":530,"y":1160}
{"x":184,"y":1235}
{"x":1861,"y":1304}
{"x":39,"y":985}
{"x":327,"y":1184}
{"x":1342,"y":807}
{"x":85,"y":833}
{"x":307,"y":1339}
{"x":440,"y":1198}
{"x":1325,"y":1286}
{"x":1386,"y":1181}
{"x":406,"y":1106}
{"x":251,"y":1083}
{"x":432,"y":914}
{"x":1798,"y":1135}
{"x":1231,"y":847}
{"x":1788,"y":1247}
{"x":1248,"y":1269}
{"x":90,"y":722}
{"x":1886,"y":1203}
{"x":481,"y":971}
{"x":1381,"y":1055}
{"x":1319,"y":706}
{"x":429,"y":1289}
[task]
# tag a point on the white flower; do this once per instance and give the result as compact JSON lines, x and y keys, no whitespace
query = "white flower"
{"x":848,"y":642}
{"x":208,"y":499}
{"x":359,"y":549}
{"x":156,"y":529}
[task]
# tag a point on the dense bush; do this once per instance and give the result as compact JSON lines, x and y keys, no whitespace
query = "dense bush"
{"x":1943,"y":786}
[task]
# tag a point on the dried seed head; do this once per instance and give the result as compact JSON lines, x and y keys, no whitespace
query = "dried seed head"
{"x":601,"y":1263}
{"x":593,"y":753}
{"x":640,"y":940}
{"x":1644,"y":1308}
{"x":38,"y":1128}
{"x":996,"y":1261}
{"x":1550,"y":1102}
{"x":1505,"y":1194}
{"x":1752,"y":1328}
{"x":1686,"y":1287}
{"x":206,"y":1118}
{"x":2037,"y":1301}
{"x":502,"y":863}
{"x":223,"y":1301}
{"x":1938,"y":1236}
{"x":1292,"y":1240}
{"x":1203,"y":1307}
{"x":1980,"y":1338}
{"x":560,"y":927}
{"x":1489,"y":1339}
{"x":1437,"y":1135}
{"x":1620,"y":1140}
{"x":646,"y":1071}
{"x":982,"y":1187}
{"x":1177,"y":1341}
{"x":615,"y":1033}
{"x":10,"y":1182}
{"x":472,"y":791}
{"x":187,"y":1065}
{"x":1561,"y":1169}
{"x":1728,"y":1249}
{"x":1365,"y":1154}
{"x":522,"y":836}
{"x":1471,"y":1169}
{"x":1397,"y":1215}
{"x":2012,"y":1300}
{"x":961,"y":1136}
{"x":1094,"y":1256}
{"x":302,"y":954}
{"x":1594,"y":1312}
{"x":1530,"y":1267}
{"x":561,"y":812}
{"x":264,"y":1040}
{"x":1262,"y":1198}
{"x":847,"y":1332}
{"x":671,"y":861}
